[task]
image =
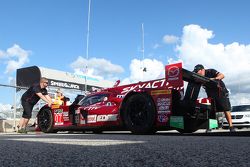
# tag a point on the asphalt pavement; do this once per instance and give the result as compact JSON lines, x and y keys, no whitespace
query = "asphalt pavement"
{"x":122,"y":149}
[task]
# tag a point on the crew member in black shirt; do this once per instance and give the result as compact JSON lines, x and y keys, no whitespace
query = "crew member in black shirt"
{"x":30,"y":98}
{"x":219,"y":94}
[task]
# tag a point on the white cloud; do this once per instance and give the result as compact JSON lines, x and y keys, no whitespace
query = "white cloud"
{"x":156,"y":46}
{"x":153,"y":69}
{"x":11,"y":80}
{"x":1,"y":54}
{"x":169,"y":39}
{"x":5,"y":111}
{"x":233,"y":59}
{"x":5,"y":107}
{"x":15,"y":57}
{"x":240,"y":98}
{"x":97,"y":67}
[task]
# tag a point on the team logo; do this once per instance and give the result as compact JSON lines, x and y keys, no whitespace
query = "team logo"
{"x":173,"y":72}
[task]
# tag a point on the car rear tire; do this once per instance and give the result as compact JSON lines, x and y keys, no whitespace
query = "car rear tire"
{"x":45,"y":120}
{"x":139,"y":115}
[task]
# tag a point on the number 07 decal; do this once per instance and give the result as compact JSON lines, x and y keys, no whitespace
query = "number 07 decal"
{"x":58,"y":118}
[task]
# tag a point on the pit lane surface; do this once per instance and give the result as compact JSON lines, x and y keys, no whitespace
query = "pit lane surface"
{"x":219,"y":148}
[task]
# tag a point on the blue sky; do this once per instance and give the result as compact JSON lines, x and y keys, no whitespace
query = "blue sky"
{"x":52,"y":34}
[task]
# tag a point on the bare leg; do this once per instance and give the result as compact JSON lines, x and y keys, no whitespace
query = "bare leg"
{"x":24,"y":122}
{"x":229,"y":118}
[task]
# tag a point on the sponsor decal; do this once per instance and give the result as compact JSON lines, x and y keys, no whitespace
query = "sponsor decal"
{"x":91,"y":119}
{"x":163,"y":111}
{"x":162,"y":118}
{"x":66,"y":114}
{"x":53,"y":106}
{"x":109,"y":117}
{"x":163,"y":105}
{"x":150,"y":84}
{"x":163,"y":99}
{"x":160,"y":92}
{"x":91,"y":108}
{"x":64,"y":84}
{"x":58,"y":119}
{"x":58,"y":123}
{"x":81,"y":76}
{"x":58,"y":111}
{"x":163,"y":102}
{"x":173,"y":73}
{"x":66,"y":118}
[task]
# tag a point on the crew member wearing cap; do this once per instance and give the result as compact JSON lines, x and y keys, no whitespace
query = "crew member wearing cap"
{"x":220,"y":95}
{"x":30,"y":98}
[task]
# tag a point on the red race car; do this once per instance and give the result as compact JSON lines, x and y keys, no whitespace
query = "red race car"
{"x":142,"y":108}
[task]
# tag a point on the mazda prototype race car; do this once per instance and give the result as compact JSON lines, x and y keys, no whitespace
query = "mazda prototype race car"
{"x":142,"y":108}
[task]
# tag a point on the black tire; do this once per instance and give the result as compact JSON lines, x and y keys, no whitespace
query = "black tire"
{"x":45,"y":120}
{"x":139,"y":115}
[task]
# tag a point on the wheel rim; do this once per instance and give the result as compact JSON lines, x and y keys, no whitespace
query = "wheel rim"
{"x":44,"y":120}
{"x":138,"y":112}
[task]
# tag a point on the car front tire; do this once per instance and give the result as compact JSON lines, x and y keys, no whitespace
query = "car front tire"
{"x":140,"y":114}
{"x":45,"y":120}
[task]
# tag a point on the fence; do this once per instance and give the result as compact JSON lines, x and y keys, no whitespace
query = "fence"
{"x":10,"y":107}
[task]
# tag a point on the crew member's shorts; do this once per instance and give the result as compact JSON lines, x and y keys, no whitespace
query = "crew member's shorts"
{"x":222,"y":104}
{"x":27,"y":109}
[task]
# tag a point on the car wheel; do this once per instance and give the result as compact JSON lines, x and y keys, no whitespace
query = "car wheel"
{"x":45,"y":121}
{"x":139,"y":115}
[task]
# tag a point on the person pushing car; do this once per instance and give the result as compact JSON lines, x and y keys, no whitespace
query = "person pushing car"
{"x":220,"y":95}
{"x":30,"y":98}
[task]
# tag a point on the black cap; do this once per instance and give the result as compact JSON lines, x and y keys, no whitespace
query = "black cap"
{"x":198,"y":67}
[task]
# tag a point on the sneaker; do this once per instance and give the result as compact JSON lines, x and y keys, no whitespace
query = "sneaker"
{"x":22,"y":130}
{"x":232,"y":129}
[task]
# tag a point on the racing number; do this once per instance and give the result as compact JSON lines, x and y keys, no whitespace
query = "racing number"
{"x":59,"y":118}
{"x":102,"y":117}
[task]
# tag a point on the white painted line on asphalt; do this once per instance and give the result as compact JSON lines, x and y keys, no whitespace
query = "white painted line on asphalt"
{"x":83,"y":142}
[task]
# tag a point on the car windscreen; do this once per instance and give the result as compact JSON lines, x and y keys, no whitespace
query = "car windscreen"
{"x":241,"y":108}
{"x":88,"y":100}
